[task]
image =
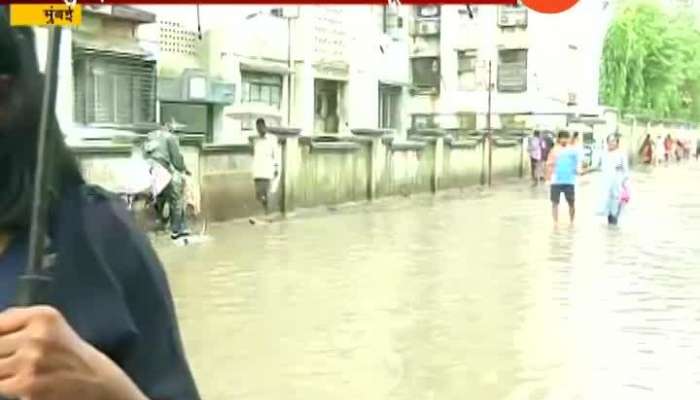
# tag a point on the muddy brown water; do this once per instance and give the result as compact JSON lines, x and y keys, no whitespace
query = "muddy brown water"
{"x":459,"y":296}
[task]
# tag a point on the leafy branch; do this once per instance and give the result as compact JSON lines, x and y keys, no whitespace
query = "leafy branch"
{"x":651,"y":62}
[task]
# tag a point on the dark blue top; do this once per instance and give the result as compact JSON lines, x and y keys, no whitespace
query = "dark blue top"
{"x":111,"y":288}
{"x":12,"y":263}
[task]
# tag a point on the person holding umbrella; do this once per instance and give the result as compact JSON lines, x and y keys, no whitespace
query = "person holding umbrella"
{"x":107,"y":327}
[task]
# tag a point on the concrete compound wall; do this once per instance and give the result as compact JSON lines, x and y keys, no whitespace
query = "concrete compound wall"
{"x":319,"y":173}
{"x":332,"y":173}
{"x":345,"y":169}
{"x":407,"y":169}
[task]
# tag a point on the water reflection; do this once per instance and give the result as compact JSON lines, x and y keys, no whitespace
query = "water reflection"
{"x":470,"y":296}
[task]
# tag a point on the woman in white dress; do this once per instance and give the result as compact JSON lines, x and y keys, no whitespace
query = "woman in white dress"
{"x":614,"y":178}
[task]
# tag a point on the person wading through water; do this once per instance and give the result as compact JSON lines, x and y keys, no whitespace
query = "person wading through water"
{"x":535,"y":148}
{"x":266,"y":164}
{"x":108,"y":330}
{"x":614,"y":181}
{"x":163,"y":147}
{"x":563,"y":165}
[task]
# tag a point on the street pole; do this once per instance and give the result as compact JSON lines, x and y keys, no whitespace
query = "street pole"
{"x":289,"y":73}
{"x":488,"y":127}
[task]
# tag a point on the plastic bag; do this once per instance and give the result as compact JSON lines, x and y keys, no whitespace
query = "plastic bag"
{"x":625,"y":194}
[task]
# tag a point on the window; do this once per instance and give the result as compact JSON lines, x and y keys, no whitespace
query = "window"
{"x":512,"y":71}
{"x":262,"y":88}
{"x":326,"y":106}
{"x":389,"y":107}
{"x":512,"y":16}
{"x":467,"y":121}
{"x":466,"y":69}
{"x":424,"y":121}
{"x":113,"y":89}
{"x":196,"y":118}
{"x":392,"y":23}
{"x":426,"y":72}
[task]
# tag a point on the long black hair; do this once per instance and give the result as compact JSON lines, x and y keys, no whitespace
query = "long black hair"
{"x":21,"y":85}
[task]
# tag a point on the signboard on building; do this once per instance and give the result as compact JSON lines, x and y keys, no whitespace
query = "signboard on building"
{"x":329,"y":35}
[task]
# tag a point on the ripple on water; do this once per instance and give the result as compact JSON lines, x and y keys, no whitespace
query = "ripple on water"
{"x":467,"y":296}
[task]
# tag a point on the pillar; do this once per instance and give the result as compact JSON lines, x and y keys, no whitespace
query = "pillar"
{"x":437,"y":139}
{"x":291,"y":164}
{"x":377,"y":156}
{"x":439,"y":166}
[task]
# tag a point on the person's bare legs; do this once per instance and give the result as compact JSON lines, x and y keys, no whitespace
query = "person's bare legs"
{"x":555,"y":214}
{"x":572,"y":213}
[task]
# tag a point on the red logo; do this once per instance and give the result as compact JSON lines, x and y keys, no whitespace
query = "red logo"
{"x":549,"y":6}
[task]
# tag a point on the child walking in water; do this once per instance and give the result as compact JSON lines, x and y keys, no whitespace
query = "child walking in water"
{"x":614,"y":181}
{"x":563,"y":165}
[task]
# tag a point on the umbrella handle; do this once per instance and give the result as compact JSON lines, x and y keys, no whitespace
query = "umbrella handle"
{"x":34,"y":284}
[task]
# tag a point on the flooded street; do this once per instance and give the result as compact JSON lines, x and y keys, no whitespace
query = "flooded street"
{"x":460,"y":296}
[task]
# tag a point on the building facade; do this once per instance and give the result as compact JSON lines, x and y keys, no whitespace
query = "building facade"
{"x":537,"y":69}
{"x":328,"y":70}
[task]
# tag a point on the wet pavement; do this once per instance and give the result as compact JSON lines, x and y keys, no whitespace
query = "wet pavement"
{"x":462,"y":296}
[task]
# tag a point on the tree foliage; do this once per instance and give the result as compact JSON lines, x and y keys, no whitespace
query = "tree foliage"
{"x":651,"y":62}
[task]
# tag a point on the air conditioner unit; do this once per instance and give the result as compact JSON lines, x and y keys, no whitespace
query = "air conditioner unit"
{"x":505,"y":20}
{"x":511,"y":17}
{"x":428,"y":11}
{"x":426,"y":28}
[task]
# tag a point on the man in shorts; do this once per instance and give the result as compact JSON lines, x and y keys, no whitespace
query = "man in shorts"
{"x":563,"y":165}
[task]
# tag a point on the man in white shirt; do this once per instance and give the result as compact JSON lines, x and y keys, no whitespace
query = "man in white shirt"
{"x":265,"y":162}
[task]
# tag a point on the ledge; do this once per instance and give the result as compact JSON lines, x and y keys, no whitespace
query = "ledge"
{"x":191,"y":139}
{"x":435,"y":133}
{"x":334,"y":146}
{"x":307,"y":140}
{"x":372,"y":132}
{"x":423,"y":139}
{"x":407,"y":146}
{"x":505,"y":143}
{"x":106,"y":148}
{"x":219,"y":148}
{"x":464,"y":144}
{"x":284,"y":132}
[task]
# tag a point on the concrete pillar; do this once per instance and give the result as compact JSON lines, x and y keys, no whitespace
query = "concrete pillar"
{"x":377,"y":156}
{"x":439,"y":163}
{"x":291,"y":164}
{"x":437,"y":139}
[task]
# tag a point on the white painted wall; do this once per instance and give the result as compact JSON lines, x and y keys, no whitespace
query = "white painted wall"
{"x":554,"y":69}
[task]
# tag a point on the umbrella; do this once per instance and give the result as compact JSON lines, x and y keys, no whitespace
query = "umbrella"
{"x":34,"y":283}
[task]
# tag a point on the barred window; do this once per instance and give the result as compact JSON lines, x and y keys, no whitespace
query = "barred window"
{"x":512,"y":71}
{"x":113,"y":89}
{"x":263,"y":88}
{"x":426,"y":72}
{"x":466,"y":70}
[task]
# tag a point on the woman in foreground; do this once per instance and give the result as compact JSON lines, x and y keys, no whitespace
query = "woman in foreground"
{"x":614,"y":176}
{"x":110,"y":330}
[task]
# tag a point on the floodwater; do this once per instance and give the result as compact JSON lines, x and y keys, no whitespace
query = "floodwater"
{"x":460,"y":296}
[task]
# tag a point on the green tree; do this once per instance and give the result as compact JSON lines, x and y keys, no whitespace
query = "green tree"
{"x":651,"y":62}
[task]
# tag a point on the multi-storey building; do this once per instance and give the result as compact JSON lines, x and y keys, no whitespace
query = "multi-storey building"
{"x":542,"y":68}
{"x":325,"y":70}
{"x":328,"y":70}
